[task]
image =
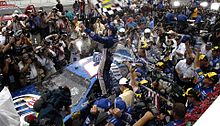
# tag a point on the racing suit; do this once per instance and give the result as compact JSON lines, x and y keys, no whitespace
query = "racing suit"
{"x":106,"y":61}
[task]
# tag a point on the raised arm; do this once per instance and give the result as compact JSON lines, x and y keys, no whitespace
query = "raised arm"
{"x":96,"y":37}
{"x":108,"y":41}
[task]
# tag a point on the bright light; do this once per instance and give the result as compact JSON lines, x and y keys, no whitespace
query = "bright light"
{"x":215,"y":6}
{"x":79,"y":45}
{"x":176,"y":3}
{"x":204,"y":4}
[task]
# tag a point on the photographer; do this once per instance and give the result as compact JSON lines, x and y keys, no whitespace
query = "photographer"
{"x":100,"y":105}
{"x":10,"y":73}
{"x":34,"y":27}
{"x":28,"y":70}
{"x":53,"y":106}
{"x":44,"y":59}
{"x":99,"y":27}
{"x":74,"y":52}
{"x":44,"y":27}
{"x":52,"y":18}
{"x":66,"y":26}
{"x":3,"y":52}
{"x":15,"y":24}
{"x":58,"y":48}
{"x":24,"y":40}
{"x":179,"y":111}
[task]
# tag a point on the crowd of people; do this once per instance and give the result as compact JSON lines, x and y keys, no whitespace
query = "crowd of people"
{"x":171,"y":58}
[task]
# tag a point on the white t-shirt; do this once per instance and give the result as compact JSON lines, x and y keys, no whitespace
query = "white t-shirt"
{"x":2,"y":39}
{"x":181,"y":49}
{"x":33,"y":71}
{"x":45,"y":62}
{"x":61,"y":56}
{"x":185,"y":71}
{"x":208,"y":53}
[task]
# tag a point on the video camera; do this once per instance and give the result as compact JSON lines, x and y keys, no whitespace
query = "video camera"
{"x":141,"y":107}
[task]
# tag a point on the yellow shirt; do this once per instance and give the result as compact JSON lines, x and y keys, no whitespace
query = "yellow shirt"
{"x":128,"y":97}
{"x":195,"y":13}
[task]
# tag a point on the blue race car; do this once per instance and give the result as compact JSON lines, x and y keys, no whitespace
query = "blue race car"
{"x":80,"y":77}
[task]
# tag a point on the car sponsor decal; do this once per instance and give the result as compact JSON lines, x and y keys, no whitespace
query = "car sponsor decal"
{"x":91,"y":69}
{"x":24,"y":105}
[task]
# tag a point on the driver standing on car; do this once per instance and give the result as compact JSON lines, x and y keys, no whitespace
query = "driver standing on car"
{"x":105,"y":64}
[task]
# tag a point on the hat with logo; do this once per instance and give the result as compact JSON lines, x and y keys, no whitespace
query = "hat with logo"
{"x":212,"y":76}
{"x":112,"y":28}
{"x":190,"y":92}
{"x":103,"y":103}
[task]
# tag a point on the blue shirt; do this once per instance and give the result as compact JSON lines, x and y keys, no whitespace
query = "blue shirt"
{"x":151,"y":24}
{"x":169,"y":17}
{"x":198,"y":19}
{"x":160,"y":6}
{"x":181,"y":17}
{"x":70,"y":15}
{"x":215,"y":63}
{"x":107,"y":41}
{"x":200,"y":86}
{"x":132,"y":25}
{"x":143,"y":20}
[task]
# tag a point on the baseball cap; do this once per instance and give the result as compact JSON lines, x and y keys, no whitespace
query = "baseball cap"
{"x":120,"y":104}
{"x":190,"y":92}
{"x":170,"y":32}
{"x":16,"y":12}
{"x":121,"y":30}
{"x":14,"y":15}
{"x":139,"y":71}
{"x":143,"y":82}
{"x":209,"y":44}
{"x":212,"y":76}
{"x":123,"y":81}
{"x":216,"y":48}
{"x":103,"y":103}
{"x":203,"y":57}
{"x":147,"y":30}
{"x":185,"y":38}
{"x":112,"y":28}
{"x":39,"y":11}
{"x":160,"y":64}
{"x":54,"y":8}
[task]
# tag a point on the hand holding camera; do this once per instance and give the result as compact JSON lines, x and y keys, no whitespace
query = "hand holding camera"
{"x":29,"y":61}
{"x":8,"y":60}
{"x":82,"y":27}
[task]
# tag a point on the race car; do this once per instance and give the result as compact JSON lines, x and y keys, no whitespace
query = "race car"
{"x":80,"y":77}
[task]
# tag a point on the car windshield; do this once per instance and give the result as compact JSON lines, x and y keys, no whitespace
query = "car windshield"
{"x":9,"y":11}
{"x":77,"y":84}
